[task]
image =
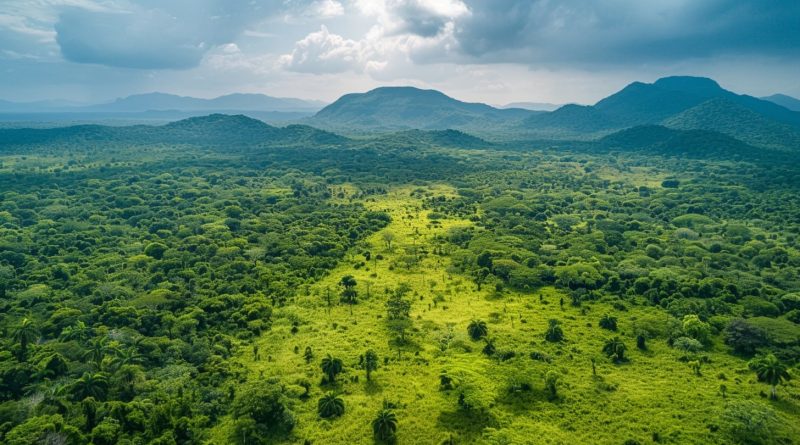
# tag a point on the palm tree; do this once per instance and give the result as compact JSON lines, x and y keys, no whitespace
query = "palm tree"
{"x":97,"y":350}
{"x":331,"y":367}
{"x":384,"y":427}
{"x":771,"y":371}
{"x":477,"y":329}
{"x":348,"y":282}
{"x":330,"y":406}
{"x":127,"y":356}
{"x":80,"y":332}
{"x":615,"y":348}
{"x":370,"y":362}
{"x":24,"y":334}
{"x":554,"y":332}
{"x":90,"y":385}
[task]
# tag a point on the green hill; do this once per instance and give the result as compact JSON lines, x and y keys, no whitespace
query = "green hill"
{"x":785,"y":101}
{"x":214,"y":130}
{"x":735,"y":120}
{"x":399,"y":108}
{"x":695,"y":143}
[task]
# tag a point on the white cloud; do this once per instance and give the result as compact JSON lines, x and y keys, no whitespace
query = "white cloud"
{"x":325,"y":52}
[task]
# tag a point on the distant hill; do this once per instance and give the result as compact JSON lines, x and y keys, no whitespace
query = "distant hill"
{"x":240,"y":102}
{"x":161,"y":102}
{"x":217,"y":130}
{"x":413,"y":139}
{"x":400,"y":108}
{"x":730,"y":118}
{"x":692,"y":143}
{"x":533,"y":106}
{"x":664,"y":101}
{"x":785,"y":101}
{"x":570,"y":118}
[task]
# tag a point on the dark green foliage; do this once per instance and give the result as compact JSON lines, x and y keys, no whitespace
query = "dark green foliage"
{"x":744,"y":337}
{"x":370,"y":362}
{"x":330,"y":405}
{"x":554,"y":332}
{"x":331,"y":366}
{"x":384,"y":426}
{"x":608,"y":322}
{"x":266,"y":404}
{"x":477,"y":329}
{"x":771,"y":371}
{"x":615,"y":349}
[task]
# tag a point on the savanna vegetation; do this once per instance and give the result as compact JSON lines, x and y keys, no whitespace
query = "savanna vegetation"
{"x":332,"y":291}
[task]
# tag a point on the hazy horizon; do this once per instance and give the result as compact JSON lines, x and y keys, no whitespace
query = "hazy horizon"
{"x":512,"y":51}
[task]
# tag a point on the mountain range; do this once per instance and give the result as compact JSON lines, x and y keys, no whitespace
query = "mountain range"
{"x":159,"y":108}
{"x":671,"y":112}
{"x":680,"y":102}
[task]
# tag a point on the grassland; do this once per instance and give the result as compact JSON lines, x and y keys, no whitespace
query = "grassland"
{"x":653,"y":397}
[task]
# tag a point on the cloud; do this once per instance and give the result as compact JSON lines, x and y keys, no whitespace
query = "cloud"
{"x":425,"y":18}
{"x":149,"y":34}
{"x":592,"y":32}
{"x":325,"y":52}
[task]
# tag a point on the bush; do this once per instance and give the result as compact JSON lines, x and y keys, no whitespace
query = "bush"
{"x":748,"y":422}
{"x":608,"y":322}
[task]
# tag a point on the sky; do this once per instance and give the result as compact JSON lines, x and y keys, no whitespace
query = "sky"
{"x":493,"y":51}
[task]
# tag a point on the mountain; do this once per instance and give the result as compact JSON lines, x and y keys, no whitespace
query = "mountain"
{"x":532,"y":106}
{"x":399,"y":108}
{"x":570,"y":119}
{"x":785,"y":101}
{"x":664,"y":102}
{"x":216,"y":130}
{"x":663,"y":140}
{"x":730,"y":118}
{"x":414,"y":139}
{"x":239,"y":102}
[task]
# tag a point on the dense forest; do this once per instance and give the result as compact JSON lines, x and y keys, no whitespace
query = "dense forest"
{"x":218,"y":280}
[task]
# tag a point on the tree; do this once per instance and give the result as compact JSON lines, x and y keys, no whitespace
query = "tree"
{"x":554,"y":332}
{"x":477,"y":329}
{"x":370,"y":362}
{"x":748,"y":421}
{"x":155,"y":250}
{"x":331,"y":366}
{"x":90,"y":385}
{"x":349,"y":293}
{"x":744,"y":337}
{"x":608,"y":322}
{"x":771,"y":371}
{"x":25,"y":334}
{"x":615,"y":348}
{"x":551,"y":379}
{"x":266,"y":404}
{"x":330,"y":406}
{"x":697,"y":329}
{"x":384,"y":427}
{"x":388,"y":237}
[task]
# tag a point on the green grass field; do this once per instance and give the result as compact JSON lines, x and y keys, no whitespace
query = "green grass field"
{"x":653,"y":397}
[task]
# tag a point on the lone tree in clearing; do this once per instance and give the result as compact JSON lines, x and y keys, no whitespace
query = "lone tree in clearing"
{"x":370,"y":362}
{"x":771,"y":371}
{"x":384,"y":427}
{"x":332,"y":367}
{"x":477,"y":329}
{"x":554,"y":332}
{"x":615,"y":348}
{"x":330,"y":406}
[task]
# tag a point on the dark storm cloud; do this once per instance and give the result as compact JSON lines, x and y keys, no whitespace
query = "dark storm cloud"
{"x":151,"y":34}
{"x":626,"y":31}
